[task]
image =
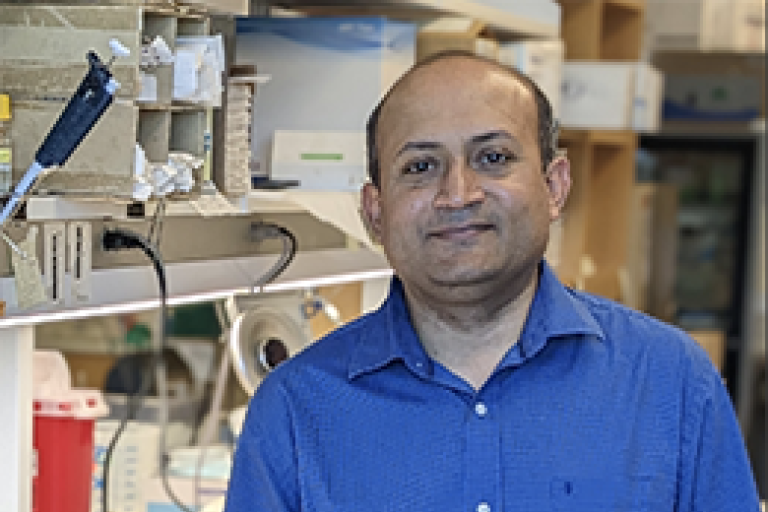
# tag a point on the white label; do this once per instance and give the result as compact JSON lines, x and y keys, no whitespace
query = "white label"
{"x":28,"y":279}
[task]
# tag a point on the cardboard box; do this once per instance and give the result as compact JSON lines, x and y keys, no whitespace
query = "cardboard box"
{"x":611,"y":96}
{"x":327,"y":74}
{"x":640,"y":245}
{"x":546,"y":12}
{"x":320,"y":160}
{"x":713,"y":342}
{"x":661,"y":301}
{"x":734,"y":25}
{"x":542,"y":61}
{"x":445,"y":34}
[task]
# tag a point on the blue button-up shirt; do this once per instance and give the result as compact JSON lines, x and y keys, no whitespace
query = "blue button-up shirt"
{"x":597,"y":408}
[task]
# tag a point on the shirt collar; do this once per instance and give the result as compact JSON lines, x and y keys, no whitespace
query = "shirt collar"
{"x":555,"y":313}
{"x":389,"y":335}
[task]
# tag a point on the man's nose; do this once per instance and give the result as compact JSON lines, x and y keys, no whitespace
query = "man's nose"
{"x":459,"y":187}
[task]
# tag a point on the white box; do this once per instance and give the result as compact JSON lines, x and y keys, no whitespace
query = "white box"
{"x":540,"y":11}
{"x":327,"y":74}
{"x":648,"y":99}
{"x":542,"y":61}
{"x":736,"y":25}
{"x":157,"y":499}
{"x":611,"y":96}
{"x":135,"y":459}
{"x":320,"y":160}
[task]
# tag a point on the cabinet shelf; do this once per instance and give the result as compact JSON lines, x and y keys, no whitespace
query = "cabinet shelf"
{"x":134,"y":288}
{"x":603,"y":29}
{"x":596,"y":217}
{"x":634,"y":5}
{"x":504,"y":24}
{"x":617,"y":138}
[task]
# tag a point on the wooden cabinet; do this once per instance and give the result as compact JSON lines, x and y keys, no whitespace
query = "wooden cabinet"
{"x":596,"y":217}
{"x":602,"y":29}
{"x":596,"y":234}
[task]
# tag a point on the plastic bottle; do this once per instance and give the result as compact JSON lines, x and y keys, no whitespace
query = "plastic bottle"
{"x":6,"y":167}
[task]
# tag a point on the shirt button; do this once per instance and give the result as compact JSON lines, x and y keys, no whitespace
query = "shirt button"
{"x":483,"y":507}
{"x":481,"y":410}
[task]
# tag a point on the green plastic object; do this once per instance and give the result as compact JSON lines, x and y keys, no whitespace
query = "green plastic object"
{"x":139,"y":336}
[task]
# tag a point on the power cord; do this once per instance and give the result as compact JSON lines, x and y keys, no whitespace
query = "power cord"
{"x":116,"y":239}
{"x":263,"y":231}
{"x":260,"y":232}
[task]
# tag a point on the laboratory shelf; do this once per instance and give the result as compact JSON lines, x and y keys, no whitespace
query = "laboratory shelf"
{"x":127,"y":289}
{"x":523,"y":18}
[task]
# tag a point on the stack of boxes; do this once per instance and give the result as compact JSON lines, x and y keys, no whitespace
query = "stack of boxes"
{"x":707,"y":25}
{"x":713,"y":53}
{"x":241,"y":88}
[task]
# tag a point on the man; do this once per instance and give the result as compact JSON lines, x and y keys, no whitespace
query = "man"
{"x":482,"y":384}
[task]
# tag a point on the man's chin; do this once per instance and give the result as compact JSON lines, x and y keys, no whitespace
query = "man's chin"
{"x":463,"y":278}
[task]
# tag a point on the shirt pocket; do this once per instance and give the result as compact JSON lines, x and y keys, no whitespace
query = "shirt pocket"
{"x":612,"y":494}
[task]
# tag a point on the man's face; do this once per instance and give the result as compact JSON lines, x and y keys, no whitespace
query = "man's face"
{"x":462,"y":200}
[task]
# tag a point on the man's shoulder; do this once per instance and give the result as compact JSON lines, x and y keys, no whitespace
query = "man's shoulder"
{"x":634,"y":334}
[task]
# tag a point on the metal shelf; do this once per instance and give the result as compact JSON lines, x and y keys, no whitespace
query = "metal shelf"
{"x":134,"y":288}
{"x":504,"y":23}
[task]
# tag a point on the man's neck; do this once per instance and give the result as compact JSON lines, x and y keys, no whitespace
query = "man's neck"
{"x":471,"y":340}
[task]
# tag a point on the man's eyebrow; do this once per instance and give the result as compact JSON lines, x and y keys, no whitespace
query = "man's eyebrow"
{"x":419,"y":146}
{"x":486,"y":137}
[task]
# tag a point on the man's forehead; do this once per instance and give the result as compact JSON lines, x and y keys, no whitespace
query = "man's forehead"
{"x":453,"y":71}
{"x":451,"y":83}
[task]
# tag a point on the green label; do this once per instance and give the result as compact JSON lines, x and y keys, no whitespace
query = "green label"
{"x":5,"y":156}
{"x":322,"y":156}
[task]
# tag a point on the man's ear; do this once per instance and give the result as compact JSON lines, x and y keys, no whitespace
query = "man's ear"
{"x":558,"y":178}
{"x":371,"y":210}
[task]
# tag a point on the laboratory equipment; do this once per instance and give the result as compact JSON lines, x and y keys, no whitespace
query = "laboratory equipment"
{"x":91,"y":99}
{"x":263,"y":335}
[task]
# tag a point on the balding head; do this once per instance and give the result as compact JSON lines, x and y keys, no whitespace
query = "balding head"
{"x":444,"y":64}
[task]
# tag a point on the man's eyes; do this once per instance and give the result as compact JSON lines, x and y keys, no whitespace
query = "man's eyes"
{"x":420,"y":166}
{"x":494,"y":157}
{"x":488,"y":159}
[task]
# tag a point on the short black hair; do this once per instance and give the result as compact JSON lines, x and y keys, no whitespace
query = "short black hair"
{"x":548,"y":129}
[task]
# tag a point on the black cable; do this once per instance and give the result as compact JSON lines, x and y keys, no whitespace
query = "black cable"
{"x":289,"y":252}
{"x":119,"y":239}
{"x":290,"y":247}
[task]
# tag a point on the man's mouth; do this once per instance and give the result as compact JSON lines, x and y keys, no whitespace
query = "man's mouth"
{"x":460,"y":232}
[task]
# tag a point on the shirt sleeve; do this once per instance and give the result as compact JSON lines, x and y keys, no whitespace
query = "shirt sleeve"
{"x":264,"y":474}
{"x":716,"y":473}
